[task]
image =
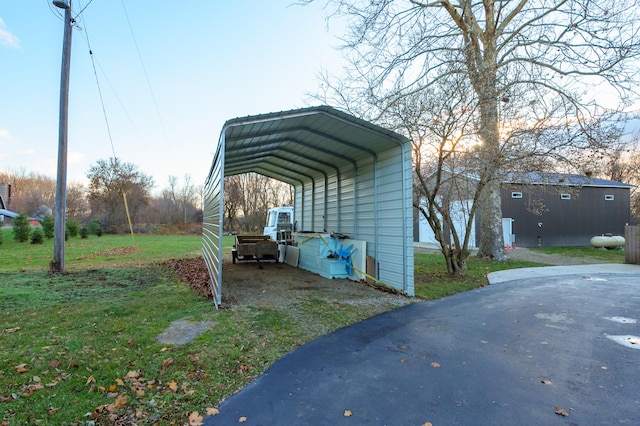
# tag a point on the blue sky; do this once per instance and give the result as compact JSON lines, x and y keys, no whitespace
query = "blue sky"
{"x":206,"y":61}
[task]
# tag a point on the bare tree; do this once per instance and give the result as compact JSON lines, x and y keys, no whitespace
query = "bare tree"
{"x":77,"y":205}
{"x":252,"y":194}
{"x":29,"y":190}
{"x":532,"y":64}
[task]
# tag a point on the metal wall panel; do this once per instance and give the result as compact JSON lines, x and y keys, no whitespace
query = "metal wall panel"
{"x":543,"y":218}
{"x":212,"y":229}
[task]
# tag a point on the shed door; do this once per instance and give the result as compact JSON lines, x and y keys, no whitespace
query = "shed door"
{"x":507,"y":231}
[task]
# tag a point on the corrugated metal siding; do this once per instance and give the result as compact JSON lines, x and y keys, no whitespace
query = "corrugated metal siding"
{"x":632,"y":245}
{"x":565,"y":222}
{"x":212,"y":223}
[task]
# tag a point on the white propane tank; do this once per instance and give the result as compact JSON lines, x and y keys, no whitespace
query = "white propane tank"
{"x":607,"y":241}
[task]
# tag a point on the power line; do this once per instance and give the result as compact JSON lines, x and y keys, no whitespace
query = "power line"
{"x":155,"y":104}
{"x":104,"y":111}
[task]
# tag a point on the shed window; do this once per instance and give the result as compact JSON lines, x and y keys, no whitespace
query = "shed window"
{"x":516,"y":194}
{"x":608,"y":197}
{"x":565,"y":196}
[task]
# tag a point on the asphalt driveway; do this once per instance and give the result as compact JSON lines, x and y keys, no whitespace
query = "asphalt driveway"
{"x":537,"y":349}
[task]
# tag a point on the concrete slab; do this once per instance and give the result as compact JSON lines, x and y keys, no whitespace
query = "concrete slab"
{"x":526,"y":352}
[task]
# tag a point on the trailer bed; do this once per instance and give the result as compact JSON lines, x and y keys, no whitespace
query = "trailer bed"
{"x":254,"y":247}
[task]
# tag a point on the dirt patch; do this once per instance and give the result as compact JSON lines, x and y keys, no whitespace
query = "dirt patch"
{"x":183,"y":331}
{"x":112,"y":252}
{"x":277,"y":285}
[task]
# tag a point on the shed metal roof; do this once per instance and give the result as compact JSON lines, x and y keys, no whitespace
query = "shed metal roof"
{"x":567,"y":179}
{"x":299,"y":145}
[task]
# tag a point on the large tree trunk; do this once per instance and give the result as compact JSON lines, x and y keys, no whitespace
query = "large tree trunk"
{"x":491,"y":238}
{"x":483,"y":72}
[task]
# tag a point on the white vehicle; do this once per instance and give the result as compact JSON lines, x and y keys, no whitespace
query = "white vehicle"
{"x":280,"y":223}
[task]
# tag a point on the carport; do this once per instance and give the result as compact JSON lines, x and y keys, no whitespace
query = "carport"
{"x":350,"y":176}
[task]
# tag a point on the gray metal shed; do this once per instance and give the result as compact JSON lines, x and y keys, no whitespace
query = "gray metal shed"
{"x":350,"y":176}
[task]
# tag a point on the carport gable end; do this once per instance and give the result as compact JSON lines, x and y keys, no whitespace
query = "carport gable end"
{"x":350,"y":176}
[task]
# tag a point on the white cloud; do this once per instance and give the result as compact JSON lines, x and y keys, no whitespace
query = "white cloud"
{"x":7,"y":38}
{"x":4,"y":136}
{"x":29,"y":151}
{"x":75,"y":157}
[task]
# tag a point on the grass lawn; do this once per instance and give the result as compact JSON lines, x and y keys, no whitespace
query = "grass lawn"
{"x":433,"y":282}
{"x":610,"y":256}
{"x":82,"y":345}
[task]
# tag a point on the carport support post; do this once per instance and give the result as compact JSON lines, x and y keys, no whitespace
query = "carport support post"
{"x":57,"y":265}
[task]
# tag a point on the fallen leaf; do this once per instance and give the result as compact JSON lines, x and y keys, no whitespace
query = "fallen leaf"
{"x":242,"y":419}
{"x":140,"y":393}
{"x":21,"y":368}
{"x":427,"y":424}
{"x":244,"y":368}
{"x":435,"y":365}
{"x":133,"y":375}
{"x":164,"y":349}
{"x":194,"y":358}
{"x":53,"y":410}
{"x":560,"y":411}
{"x":634,"y":341}
{"x":212,"y":411}
{"x":173,"y":386}
{"x":195,"y":419}
{"x":167,"y":362}
{"x":121,"y":401}
{"x":484,"y":342}
{"x":91,"y":379}
{"x":11,"y":330}
{"x":119,"y":382}
{"x":403,"y":360}
{"x":113,"y":388}
{"x":348,"y":413}
{"x":546,"y":381}
{"x":54,"y":364}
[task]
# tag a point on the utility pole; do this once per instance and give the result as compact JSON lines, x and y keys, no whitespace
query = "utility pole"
{"x":57,"y":265}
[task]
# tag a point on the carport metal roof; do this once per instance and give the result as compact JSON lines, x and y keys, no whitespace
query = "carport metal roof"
{"x":294,"y":146}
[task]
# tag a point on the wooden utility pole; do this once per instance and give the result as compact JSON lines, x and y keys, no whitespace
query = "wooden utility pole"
{"x":57,"y":264}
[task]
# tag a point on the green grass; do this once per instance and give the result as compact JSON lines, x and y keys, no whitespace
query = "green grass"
{"x":610,"y":256}
{"x":433,"y":282}
{"x":123,"y":250}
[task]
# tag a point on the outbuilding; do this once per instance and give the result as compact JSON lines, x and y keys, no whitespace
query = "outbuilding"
{"x":350,"y":177}
{"x":542,"y":209}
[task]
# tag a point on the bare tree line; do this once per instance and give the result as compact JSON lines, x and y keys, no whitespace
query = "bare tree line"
{"x":247,"y":197}
{"x":179,"y":203}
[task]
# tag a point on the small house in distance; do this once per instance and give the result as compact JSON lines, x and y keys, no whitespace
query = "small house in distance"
{"x":552,"y":209}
